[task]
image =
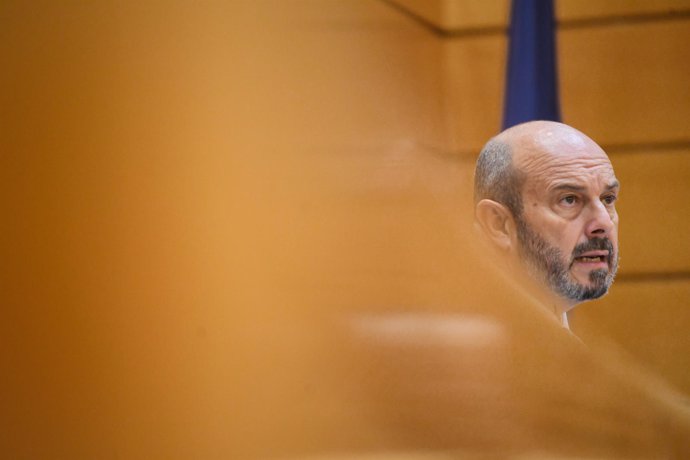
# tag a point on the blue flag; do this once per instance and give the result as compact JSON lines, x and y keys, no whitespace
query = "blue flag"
{"x":532,"y":81}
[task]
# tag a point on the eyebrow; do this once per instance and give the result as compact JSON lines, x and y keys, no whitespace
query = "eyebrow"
{"x":573,"y":187}
{"x":612,"y":185}
{"x":580,"y":188}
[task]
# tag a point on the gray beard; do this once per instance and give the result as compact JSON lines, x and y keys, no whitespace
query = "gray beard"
{"x":545,"y":263}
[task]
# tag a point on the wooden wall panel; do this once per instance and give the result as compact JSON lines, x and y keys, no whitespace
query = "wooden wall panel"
{"x":654,"y":210}
{"x":458,"y":16}
{"x":587,"y":9}
{"x":628,"y":83}
{"x":450,"y":15}
{"x":647,"y":319}
{"x":475,"y":73}
{"x":621,"y":85}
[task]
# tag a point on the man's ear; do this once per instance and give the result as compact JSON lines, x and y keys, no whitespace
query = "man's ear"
{"x":497,"y":223}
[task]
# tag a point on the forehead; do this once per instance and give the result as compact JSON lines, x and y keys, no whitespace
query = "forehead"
{"x":550,"y":158}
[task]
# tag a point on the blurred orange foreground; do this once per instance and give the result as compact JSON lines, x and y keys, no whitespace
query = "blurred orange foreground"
{"x":230,"y":230}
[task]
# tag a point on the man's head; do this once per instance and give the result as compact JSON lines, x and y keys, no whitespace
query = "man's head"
{"x":545,"y":195}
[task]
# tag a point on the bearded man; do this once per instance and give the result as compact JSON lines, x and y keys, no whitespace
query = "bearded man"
{"x":545,"y":197}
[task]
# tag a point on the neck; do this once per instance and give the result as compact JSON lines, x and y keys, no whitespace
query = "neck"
{"x":550,"y":301}
{"x":555,"y":304}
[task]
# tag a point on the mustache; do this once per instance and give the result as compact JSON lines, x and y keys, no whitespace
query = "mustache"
{"x":594,"y":244}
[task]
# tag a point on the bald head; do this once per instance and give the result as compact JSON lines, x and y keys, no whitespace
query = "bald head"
{"x":525,"y":150}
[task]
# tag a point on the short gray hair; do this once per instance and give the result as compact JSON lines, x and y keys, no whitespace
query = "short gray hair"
{"x":496,"y":178}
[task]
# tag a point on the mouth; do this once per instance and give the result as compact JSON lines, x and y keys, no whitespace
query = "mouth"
{"x":593,"y":259}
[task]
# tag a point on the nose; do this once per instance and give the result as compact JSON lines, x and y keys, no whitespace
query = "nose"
{"x":601,"y":221}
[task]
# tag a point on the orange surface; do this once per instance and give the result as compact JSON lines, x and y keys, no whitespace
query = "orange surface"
{"x":240,"y":230}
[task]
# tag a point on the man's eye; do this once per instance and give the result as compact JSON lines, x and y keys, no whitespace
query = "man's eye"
{"x":569,"y":200}
{"x":610,"y":199}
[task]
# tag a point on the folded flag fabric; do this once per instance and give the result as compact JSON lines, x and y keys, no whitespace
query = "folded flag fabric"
{"x":531,"y":91}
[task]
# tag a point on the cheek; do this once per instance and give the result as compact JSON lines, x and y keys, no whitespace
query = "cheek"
{"x":558,"y":231}
{"x":614,"y":233}
{"x":564,"y":234}
{"x":567,"y":238}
